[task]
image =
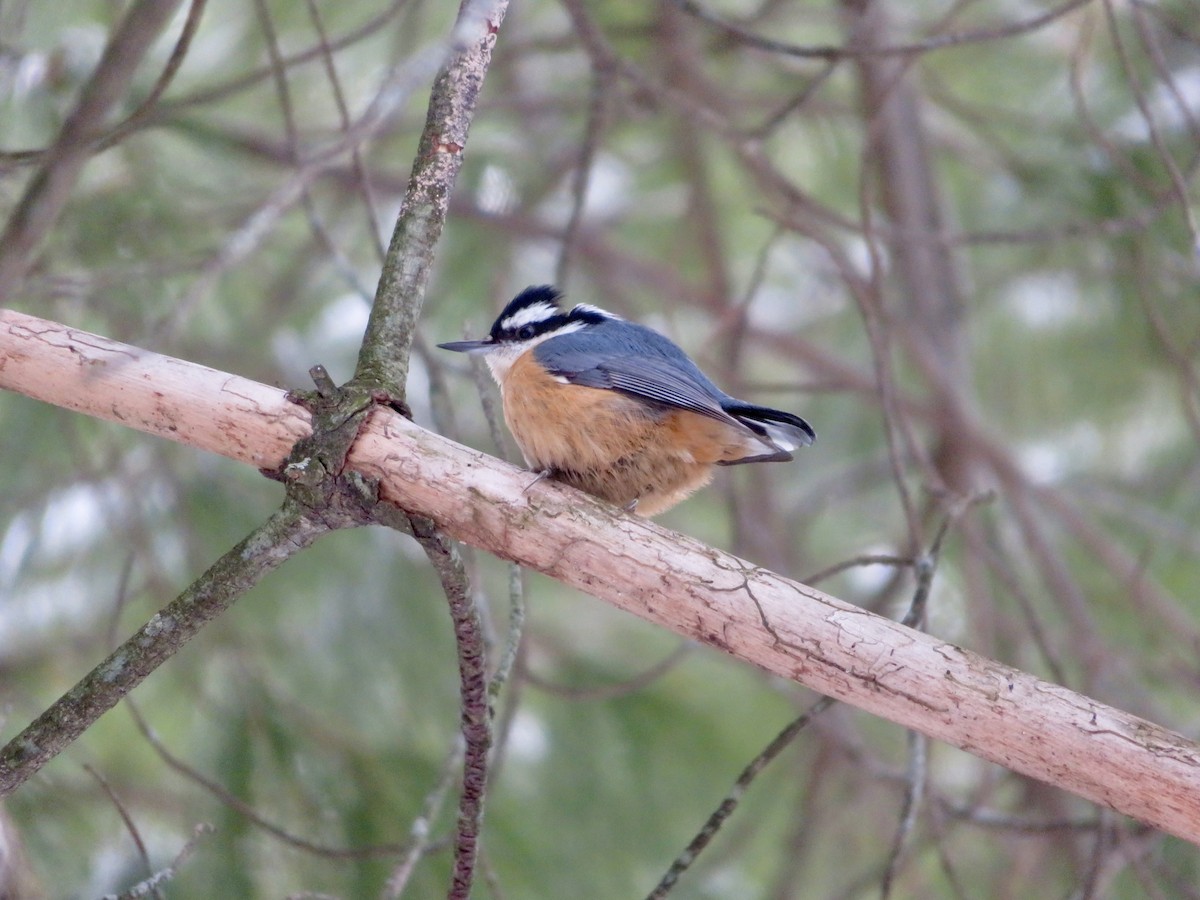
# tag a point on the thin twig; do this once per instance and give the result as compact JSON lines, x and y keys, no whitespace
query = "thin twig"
{"x":296,"y":154}
{"x":917,"y":780}
{"x":729,"y":804}
{"x":157,"y":880}
{"x":422,"y":826}
{"x":638,"y":682}
{"x":238,"y":244}
{"x":127,"y":820}
{"x":1178,"y":183}
{"x":516,"y":630}
{"x":915,"y":784}
{"x":1079,"y":65}
{"x":121,"y":598}
{"x":244,"y":809}
{"x":362,"y":176}
{"x":866,"y":559}
{"x":603,"y":78}
{"x":178,"y":53}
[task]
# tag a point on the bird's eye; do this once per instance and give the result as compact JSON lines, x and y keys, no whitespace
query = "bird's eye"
{"x":525,"y":332}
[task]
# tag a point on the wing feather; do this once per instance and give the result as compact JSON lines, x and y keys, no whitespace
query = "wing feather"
{"x":655,"y":379}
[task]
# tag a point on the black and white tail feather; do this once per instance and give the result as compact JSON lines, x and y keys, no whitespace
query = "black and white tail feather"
{"x":781,"y":429}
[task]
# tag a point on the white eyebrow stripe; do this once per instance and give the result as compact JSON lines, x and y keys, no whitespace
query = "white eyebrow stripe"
{"x":587,"y":307}
{"x":536,"y":312}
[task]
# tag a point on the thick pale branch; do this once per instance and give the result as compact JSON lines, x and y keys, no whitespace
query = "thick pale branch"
{"x":996,"y":712}
{"x":181,"y":401}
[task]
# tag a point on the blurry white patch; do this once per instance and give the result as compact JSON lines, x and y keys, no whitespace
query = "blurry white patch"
{"x":81,"y":48}
{"x":1051,"y":460}
{"x":75,"y":517}
{"x":333,"y":337}
{"x":14,"y":545}
{"x":533,"y":258}
{"x":1154,"y":426}
{"x":1048,"y":300}
{"x":344,"y":319}
{"x":21,"y":75}
{"x":610,"y":187}
{"x":871,"y":579}
{"x":858,"y":254}
{"x":1164,"y":107}
{"x":730,"y":880}
{"x":75,"y":522}
{"x":418,"y":390}
{"x":528,"y":740}
{"x":801,"y":286}
{"x":496,"y":193}
{"x":610,"y":192}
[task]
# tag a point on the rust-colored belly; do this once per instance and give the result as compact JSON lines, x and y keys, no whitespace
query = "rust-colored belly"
{"x":613,"y":446}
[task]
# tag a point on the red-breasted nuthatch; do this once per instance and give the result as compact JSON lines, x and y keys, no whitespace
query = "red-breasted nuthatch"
{"x":618,"y":410}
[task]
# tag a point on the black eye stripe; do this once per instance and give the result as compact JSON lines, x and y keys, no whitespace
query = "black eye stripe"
{"x":528,"y":330}
{"x":534,"y":314}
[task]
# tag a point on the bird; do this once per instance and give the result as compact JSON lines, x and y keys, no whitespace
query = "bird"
{"x":616,"y":409}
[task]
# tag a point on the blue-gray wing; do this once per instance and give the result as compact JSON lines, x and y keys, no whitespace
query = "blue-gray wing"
{"x":657,"y":379}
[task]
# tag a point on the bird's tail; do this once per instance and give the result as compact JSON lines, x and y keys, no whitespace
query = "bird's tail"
{"x":778,"y":428}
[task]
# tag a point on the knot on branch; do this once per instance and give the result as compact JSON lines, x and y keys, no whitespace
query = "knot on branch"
{"x":315,"y":471}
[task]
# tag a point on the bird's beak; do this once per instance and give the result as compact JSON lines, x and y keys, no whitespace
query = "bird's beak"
{"x":469,"y":346}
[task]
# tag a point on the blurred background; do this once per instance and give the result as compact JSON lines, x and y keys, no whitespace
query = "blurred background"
{"x":963,"y":248}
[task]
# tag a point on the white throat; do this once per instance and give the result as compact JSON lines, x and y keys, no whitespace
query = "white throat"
{"x":501,"y":357}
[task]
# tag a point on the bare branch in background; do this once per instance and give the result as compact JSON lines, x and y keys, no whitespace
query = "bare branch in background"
{"x":855,"y":50}
{"x":152,"y":884}
{"x":244,"y":809}
{"x":50,"y":188}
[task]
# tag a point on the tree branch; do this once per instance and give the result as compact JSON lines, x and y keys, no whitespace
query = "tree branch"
{"x":916,"y":680}
{"x":47,"y":193}
{"x":383,"y":359}
{"x":285,"y":533}
{"x":476,"y":721}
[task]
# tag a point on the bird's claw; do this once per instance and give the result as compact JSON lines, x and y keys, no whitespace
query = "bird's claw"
{"x":544,"y":473}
